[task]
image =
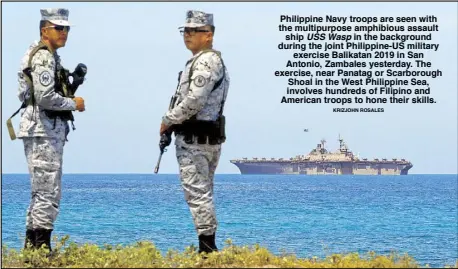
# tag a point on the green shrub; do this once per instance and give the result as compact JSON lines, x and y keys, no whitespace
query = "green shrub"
{"x":144,"y":254}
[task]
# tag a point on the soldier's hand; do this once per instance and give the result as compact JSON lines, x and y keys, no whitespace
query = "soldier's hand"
{"x":79,"y":104}
{"x":163,"y":128}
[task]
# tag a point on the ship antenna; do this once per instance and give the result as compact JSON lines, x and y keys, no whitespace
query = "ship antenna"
{"x":340,"y":141}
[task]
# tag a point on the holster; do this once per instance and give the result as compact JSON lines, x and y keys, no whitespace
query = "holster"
{"x":202,"y":132}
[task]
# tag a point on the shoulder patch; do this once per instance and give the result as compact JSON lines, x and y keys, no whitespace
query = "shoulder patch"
{"x":200,"y":81}
{"x":45,"y":78}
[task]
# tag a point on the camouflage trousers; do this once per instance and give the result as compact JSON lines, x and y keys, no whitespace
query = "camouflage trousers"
{"x":44,"y":159}
{"x":197,"y":165}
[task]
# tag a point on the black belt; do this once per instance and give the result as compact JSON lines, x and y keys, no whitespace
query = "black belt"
{"x":202,"y":132}
{"x":201,"y":139}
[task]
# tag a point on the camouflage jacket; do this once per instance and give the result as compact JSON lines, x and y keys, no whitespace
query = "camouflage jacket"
{"x":34,"y":121}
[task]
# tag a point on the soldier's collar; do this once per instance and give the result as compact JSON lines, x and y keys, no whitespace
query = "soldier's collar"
{"x":200,"y":52}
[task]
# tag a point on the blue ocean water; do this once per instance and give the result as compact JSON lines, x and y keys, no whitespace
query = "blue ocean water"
{"x":305,"y":215}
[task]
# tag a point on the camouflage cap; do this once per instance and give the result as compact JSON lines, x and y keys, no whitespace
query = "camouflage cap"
{"x":195,"y":18}
{"x":58,"y":16}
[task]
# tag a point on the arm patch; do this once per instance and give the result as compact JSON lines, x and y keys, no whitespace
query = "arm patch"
{"x":45,"y":78}
{"x":200,"y":81}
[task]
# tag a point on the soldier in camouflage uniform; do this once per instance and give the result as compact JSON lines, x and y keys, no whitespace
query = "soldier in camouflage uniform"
{"x":196,"y":117}
{"x":44,"y":136}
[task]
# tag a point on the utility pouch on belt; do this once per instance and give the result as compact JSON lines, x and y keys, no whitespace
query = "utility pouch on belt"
{"x":222,"y":129}
{"x":188,"y":138}
{"x":64,"y":115}
{"x":202,"y":139}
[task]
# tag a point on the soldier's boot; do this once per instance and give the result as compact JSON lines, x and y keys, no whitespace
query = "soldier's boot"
{"x":29,"y":241}
{"x":43,"y":237}
{"x":207,"y":243}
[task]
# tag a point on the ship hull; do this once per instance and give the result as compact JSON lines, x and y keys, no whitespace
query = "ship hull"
{"x":324,"y":168}
{"x":264,"y":168}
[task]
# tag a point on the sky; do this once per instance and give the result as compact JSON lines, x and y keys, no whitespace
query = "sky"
{"x":134,"y":52}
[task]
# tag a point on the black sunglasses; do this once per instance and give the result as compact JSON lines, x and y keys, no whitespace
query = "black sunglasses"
{"x":192,"y":31}
{"x":59,"y":27}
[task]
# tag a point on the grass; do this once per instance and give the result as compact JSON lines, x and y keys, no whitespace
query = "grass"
{"x":144,"y":254}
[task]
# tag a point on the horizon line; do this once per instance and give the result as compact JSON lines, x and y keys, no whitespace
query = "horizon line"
{"x":133,"y":173}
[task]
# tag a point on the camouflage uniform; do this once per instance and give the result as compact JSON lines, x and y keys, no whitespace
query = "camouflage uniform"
{"x":44,"y":138}
{"x":198,"y":162}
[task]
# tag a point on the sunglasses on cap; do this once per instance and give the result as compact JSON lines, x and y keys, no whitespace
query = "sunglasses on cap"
{"x":59,"y":27}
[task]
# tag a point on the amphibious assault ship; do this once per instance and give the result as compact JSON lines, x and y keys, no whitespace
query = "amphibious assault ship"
{"x":320,"y":161}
